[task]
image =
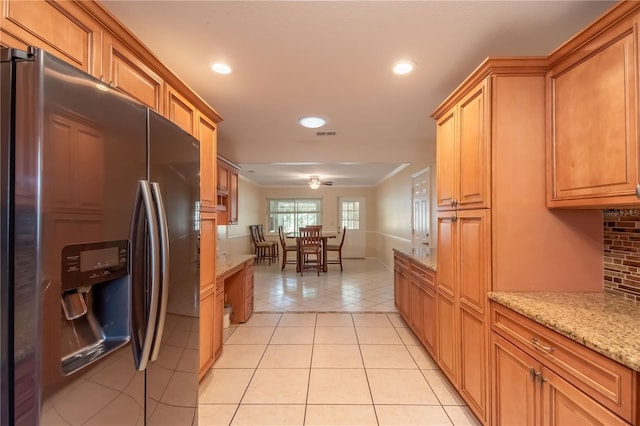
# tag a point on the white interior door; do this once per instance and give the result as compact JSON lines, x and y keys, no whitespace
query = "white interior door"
{"x":351,"y":215}
{"x":421,"y":185}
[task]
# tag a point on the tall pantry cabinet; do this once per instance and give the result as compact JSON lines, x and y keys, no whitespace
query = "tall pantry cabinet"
{"x":494,"y":230}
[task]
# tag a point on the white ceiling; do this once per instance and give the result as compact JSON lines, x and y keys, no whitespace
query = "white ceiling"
{"x":334,"y":59}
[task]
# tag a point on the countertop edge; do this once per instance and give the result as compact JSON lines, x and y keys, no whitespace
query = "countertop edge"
{"x":588,"y":337}
{"x":429,"y":264}
{"x":232,"y":262}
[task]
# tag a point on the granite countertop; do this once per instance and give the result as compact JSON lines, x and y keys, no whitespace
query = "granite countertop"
{"x":607,"y":323}
{"x":225,"y":263}
{"x":425,"y":256}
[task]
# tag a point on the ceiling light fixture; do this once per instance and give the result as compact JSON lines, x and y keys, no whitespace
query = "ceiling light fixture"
{"x":404,"y":67}
{"x":221,"y":68}
{"x":312,"y":122}
{"x":314,"y":182}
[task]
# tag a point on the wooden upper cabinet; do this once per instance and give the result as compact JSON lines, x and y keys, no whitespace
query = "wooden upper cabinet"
{"x":180,"y":111}
{"x":62,"y":28}
{"x":125,"y":71}
{"x":592,"y":140}
{"x":207,"y":137}
{"x":463,"y":154}
{"x":447,"y":169}
{"x":473,"y":149}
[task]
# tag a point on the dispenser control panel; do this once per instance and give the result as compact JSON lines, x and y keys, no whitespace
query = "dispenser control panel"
{"x":92,"y":263}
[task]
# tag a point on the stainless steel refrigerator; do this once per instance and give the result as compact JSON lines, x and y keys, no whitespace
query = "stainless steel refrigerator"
{"x":99,"y":228}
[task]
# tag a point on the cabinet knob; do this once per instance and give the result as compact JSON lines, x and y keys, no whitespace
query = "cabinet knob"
{"x":638,"y":190}
{"x":454,"y":218}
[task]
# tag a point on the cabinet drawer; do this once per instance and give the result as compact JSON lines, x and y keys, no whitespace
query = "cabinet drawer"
{"x":425,"y":276}
{"x":603,"y":379}
{"x":401,"y":263}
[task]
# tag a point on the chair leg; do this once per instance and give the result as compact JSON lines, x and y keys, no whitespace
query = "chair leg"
{"x":340,"y":257}
{"x":284,"y":259}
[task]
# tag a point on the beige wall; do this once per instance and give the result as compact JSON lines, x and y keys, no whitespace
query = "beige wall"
{"x":388,"y":212}
{"x":394,"y":213}
{"x":329,"y":196}
{"x":235,"y":239}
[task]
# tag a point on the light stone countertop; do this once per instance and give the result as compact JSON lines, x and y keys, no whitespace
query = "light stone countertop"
{"x":425,"y":256}
{"x":607,"y":323}
{"x":225,"y":263}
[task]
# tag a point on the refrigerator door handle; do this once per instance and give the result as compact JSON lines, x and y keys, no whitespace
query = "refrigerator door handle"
{"x":164,"y":269}
{"x":142,"y":344}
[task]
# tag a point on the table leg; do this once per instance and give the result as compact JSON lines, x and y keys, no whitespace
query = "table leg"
{"x":324,"y":255}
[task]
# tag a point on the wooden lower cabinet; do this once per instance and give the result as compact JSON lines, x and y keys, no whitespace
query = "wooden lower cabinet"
{"x":531,"y":386}
{"x":415,"y":299}
{"x":416,"y":318}
{"x":218,"y":319}
{"x":207,"y":329}
{"x":513,"y":385}
{"x":526,"y":393}
{"x":429,"y":321}
{"x":565,"y":405}
{"x":447,"y":338}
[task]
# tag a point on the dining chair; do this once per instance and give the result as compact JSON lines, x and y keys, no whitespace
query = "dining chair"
{"x":310,"y":249}
{"x":336,"y":248}
{"x":286,"y":248}
{"x":274,"y":248}
{"x":262,"y":248}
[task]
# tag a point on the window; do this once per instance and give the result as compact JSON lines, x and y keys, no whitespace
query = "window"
{"x":292,"y":214}
{"x":351,"y":214}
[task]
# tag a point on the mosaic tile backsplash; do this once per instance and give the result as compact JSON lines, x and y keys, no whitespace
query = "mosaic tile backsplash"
{"x":622,"y":252}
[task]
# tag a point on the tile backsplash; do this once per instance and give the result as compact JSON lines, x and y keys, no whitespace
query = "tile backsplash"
{"x":622,"y":252}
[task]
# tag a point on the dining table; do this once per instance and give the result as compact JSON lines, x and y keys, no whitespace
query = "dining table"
{"x":323,"y":237}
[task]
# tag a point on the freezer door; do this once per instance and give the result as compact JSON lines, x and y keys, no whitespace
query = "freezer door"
{"x":172,"y":379}
{"x":80,"y":150}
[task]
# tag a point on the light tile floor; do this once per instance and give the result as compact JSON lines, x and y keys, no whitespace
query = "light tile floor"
{"x":345,"y":363}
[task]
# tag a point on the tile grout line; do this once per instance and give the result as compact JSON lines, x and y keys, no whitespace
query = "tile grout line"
{"x":254,"y":370}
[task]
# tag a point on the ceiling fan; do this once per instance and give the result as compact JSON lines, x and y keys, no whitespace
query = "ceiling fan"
{"x":314,"y":182}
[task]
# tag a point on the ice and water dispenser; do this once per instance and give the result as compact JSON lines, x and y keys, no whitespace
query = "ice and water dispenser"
{"x":96,"y":301}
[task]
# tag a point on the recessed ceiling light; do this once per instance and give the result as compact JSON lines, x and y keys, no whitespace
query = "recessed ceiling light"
{"x":404,"y":67}
{"x":312,"y":122}
{"x":221,"y":68}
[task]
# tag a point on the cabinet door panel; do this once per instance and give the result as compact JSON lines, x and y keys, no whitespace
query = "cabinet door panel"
{"x":448,"y":344}
{"x":475,"y":258}
{"x":429,"y":331}
{"x":564,"y":405}
{"x":218,"y":320}
{"x":233,"y":197}
{"x":593,"y":142}
{"x":180,"y":111}
{"x":515,"y":393}
{"x":62,"y":28}
{"x":207,"y":137}
{"x":474,"y":362}
{"x":207,"y":309}
{"x":446,"y":160}
{"x":207,"y":251}
{"x":416,"y":309}
{"x":447,"y":253}
{"x":127,"y":73}
{"x":473,"y":141}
